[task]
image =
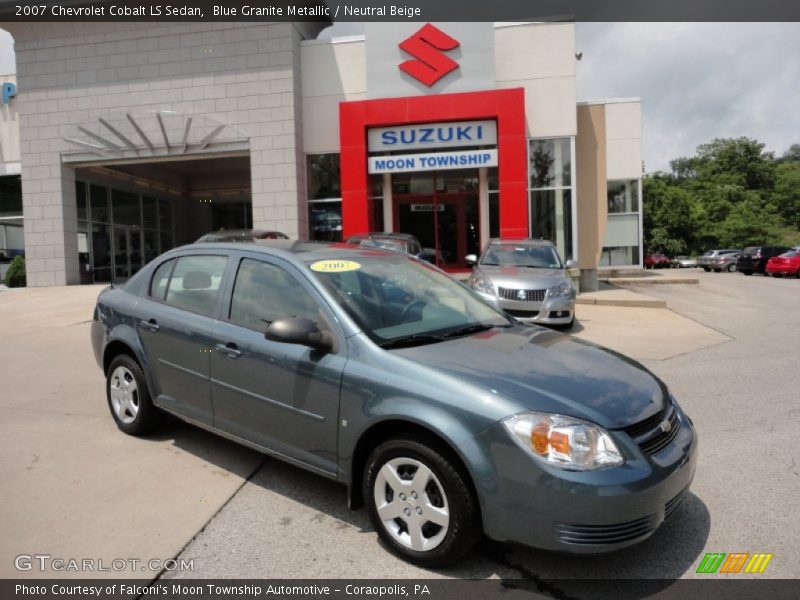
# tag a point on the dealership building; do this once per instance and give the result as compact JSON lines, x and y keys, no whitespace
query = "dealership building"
{"x":123,"y":140}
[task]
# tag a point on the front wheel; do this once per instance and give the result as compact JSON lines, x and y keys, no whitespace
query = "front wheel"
{"x":420,"y":504}
{"x":129,"y":398}
{"x":748,"y":273}
{"x":731,"y":268}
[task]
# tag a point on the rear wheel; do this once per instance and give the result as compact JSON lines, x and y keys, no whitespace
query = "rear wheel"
{"x":128,"y":397}
{"x":797,"y":275}
{"x":420,"y":503}
{"x":748,"y":273}
{"x":731,"y":268}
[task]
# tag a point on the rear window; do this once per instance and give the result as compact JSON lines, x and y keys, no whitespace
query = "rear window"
{"x":195,"y":283}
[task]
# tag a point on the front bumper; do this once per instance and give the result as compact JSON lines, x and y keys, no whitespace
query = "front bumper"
{"x":531,"y":503}
{"x":551,"y":311}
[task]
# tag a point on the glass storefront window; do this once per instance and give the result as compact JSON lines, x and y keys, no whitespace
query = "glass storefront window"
{"x":11,"y":196}
{"x":323,"y":176}
{"x":149,"y":212}
{"x":325,"y":221}
{"x":550,"y":163}
{"x":125,"y":208}
{"x":166,"y":241}
{"x":619,"y":256}
{"x":80,"y":200}
{"x":101,"y":252}
{"x":623,"y":196}
{"x":376,"y":197}
{"x":98,"y":199}
{"x":165,"y":216}
{"x":413,"y":183}
{"x":551,"y":218}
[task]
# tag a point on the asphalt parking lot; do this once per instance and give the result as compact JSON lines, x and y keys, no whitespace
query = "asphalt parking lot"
{"x":74,"y":486}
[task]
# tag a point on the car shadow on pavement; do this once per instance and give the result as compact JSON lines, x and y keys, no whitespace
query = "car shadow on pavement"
{"x":650,"y":566}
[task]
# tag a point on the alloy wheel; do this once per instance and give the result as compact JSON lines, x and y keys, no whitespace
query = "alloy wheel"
{"x":411,"y":504}
{"x":124,"y":395}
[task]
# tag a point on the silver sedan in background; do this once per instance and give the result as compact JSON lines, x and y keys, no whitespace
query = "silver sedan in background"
{"x":527,"y":280}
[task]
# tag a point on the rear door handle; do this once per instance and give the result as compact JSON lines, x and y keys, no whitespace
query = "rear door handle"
{"x":150,"y":325}
{"x":231,"y":351}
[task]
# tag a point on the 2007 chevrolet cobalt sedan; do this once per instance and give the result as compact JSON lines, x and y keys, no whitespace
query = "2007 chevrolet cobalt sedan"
{"x":442,"y":414}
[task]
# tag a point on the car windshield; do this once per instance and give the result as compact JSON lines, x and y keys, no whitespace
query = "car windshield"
{"x":400,"y":302}
{"x":521,"y":255}
{"x":385,"y":243}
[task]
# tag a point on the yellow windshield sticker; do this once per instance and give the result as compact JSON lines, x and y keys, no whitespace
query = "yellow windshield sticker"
{"x":335,"y":266}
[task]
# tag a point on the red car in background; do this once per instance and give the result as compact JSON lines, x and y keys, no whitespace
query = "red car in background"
{"x":787,"y":263}
{"x":656,"y":261}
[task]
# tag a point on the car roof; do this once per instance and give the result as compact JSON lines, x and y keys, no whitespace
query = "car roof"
{"x":295,"y":251}
{"x":384,"y":234}
{"x":521,"y":242}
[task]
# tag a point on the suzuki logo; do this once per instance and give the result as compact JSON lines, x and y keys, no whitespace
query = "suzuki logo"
{"x":666,"y":426}
{"x":427,"y":46}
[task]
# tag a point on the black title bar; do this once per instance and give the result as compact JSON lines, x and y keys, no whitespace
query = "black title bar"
{"x":404,"y":10}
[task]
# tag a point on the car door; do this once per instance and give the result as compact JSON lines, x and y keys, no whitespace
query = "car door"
{"x":175,"y":325}
{"x":283,"y":397}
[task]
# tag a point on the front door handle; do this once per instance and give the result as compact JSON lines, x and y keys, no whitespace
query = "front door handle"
{"x":150,"y":325}
{"x":231,"y":351}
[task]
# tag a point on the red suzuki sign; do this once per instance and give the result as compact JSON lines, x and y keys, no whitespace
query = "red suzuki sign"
{"x":427,"y":46}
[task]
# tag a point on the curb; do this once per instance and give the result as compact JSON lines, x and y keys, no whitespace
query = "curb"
{"x":622,"y":281}
{"x":630,"y":303}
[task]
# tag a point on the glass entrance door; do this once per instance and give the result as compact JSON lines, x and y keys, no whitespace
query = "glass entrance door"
{"x":127,"y":252}
{"x":441,"y":210}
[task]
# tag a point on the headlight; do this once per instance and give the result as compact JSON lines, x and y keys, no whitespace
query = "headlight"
{"x":564,"y":442}
{"x":481,"y":283}
{"x":562,"y":289}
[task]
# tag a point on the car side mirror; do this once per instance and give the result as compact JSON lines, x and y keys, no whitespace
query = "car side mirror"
{"x":572,"y":264}
{"x":301,"y":331}
{"x":471,"y":259}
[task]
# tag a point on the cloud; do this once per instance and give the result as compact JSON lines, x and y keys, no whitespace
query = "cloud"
{"x":697,"y":81}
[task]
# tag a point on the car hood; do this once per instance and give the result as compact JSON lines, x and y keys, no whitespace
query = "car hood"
{"x":524,"y":278}
{"x":542,"y":370}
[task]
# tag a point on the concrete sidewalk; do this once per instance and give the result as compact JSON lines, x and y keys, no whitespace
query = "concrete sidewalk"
{"x":73,"y":485}
{"x":611,"y":296}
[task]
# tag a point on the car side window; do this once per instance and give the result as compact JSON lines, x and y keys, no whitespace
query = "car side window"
{"x":158,"y":285}
{"x":264,"y":293}
{"x":195,"y":283}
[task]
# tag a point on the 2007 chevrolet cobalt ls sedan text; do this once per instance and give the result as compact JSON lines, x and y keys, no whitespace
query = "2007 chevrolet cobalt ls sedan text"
{"x":443,"y":415}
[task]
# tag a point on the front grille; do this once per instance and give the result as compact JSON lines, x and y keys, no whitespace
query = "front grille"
{"x":652,"y":435}
{"x":596,"y":535}
{"x":671,"y":506}
{"x":523,"y":314}
{"x":529,"y":295}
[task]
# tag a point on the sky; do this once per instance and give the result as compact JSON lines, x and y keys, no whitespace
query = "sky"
{"x":697,"y":81}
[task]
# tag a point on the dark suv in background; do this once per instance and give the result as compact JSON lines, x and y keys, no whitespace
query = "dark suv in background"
{"x":753,"y":259}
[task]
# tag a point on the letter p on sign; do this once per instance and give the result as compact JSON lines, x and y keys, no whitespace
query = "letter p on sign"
{"x":9,"y":91}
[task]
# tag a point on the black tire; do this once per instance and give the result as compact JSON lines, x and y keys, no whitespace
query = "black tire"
{"x":706,"y":269}
{"x":730,"y":268}
{"x":797,"y":275}
{"x":147,"y":416}
{"x":748,"y":273}
{"x":464,"y":527}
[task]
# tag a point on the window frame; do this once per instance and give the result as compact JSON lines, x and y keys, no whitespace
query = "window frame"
{"x":222,"y":284}
{"x":329,"y":318}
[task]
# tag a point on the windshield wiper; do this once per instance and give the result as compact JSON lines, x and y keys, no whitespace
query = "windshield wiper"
{"x":412,"y":340}
{"x":470,"y":329}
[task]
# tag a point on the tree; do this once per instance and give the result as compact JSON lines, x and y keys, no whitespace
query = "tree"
{"x":787,"y":192}
{"x":739,"y":161}
{"x":15,"y":276}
